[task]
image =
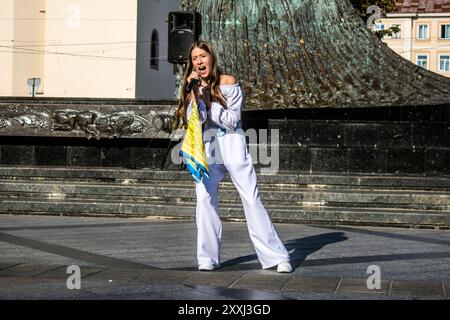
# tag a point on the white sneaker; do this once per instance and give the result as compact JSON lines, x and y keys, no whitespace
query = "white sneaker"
{"x":207,"y":266}
{"x":284,"y":267}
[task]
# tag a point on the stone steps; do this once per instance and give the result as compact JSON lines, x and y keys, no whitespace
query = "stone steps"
{"x":414,"y":201}
{"x":312,"y":214}
{"x":271,"y":195}
{"x":283,"y":178}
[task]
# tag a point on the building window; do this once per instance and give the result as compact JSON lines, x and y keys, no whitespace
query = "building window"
{"x":444,"y":62}
{"x":397,"y":35}
{"x":379,"y":26}
{"x":154,"y":50}
{"x":445,"y":31}
{"x":422,"y":61}
{"x":423,"y":31}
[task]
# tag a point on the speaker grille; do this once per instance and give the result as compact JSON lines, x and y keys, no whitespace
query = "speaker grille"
{"x":184,"y":28}
{"x":180,"y":40}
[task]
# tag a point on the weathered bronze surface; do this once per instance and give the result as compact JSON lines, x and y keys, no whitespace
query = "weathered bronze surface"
{"x":311,"y":53}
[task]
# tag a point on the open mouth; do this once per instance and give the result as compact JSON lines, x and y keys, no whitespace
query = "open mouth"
{"x":202,"y":68}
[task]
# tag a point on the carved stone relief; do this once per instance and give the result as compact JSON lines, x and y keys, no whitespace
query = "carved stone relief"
{"x":94,"y":124}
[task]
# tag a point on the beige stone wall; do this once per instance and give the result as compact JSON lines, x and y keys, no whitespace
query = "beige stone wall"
{"x":79,"y":48}
{"x":92,"y":48}
{"x":29,"y":36}
{"x":6,"y":55}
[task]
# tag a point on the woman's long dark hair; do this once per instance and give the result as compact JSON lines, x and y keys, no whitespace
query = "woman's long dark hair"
{"x":213,"y":82}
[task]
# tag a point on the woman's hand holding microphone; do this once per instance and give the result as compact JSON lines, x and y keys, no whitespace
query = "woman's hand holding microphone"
{"x":205,"y":92}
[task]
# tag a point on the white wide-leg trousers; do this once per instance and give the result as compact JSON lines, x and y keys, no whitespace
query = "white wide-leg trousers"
{"x":235,"y":159}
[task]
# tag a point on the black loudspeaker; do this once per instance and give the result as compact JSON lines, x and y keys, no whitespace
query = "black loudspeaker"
{"x":184,"y":29}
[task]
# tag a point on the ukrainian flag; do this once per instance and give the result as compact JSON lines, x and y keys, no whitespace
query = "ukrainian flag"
{"x":193,"y":148}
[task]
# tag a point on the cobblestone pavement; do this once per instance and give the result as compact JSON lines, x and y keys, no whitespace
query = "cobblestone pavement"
{"x":154,"y":259}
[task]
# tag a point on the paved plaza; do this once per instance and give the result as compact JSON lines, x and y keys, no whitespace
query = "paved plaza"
{"x":51,"y":257}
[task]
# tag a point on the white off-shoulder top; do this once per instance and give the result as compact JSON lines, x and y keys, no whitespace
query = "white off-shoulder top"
{"x":228,"y":119}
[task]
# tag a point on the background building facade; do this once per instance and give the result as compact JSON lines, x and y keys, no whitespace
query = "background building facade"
{"x":425,"y":33}
{"x":155,"y":78}
{"x":86,"y":48}
{"x":22,"y":34}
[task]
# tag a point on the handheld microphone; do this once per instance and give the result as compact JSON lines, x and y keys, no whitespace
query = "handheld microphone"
{"x":191,"y":85}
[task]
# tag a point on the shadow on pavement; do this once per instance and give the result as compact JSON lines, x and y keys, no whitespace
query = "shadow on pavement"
{"x":298,"y":250}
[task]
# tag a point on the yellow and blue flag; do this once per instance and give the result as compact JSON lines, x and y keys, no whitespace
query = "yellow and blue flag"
{"x":193,"y":148}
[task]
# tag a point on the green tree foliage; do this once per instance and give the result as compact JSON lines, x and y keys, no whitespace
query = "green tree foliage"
{"x":385,"y":6}
{"x":362,"y":5}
